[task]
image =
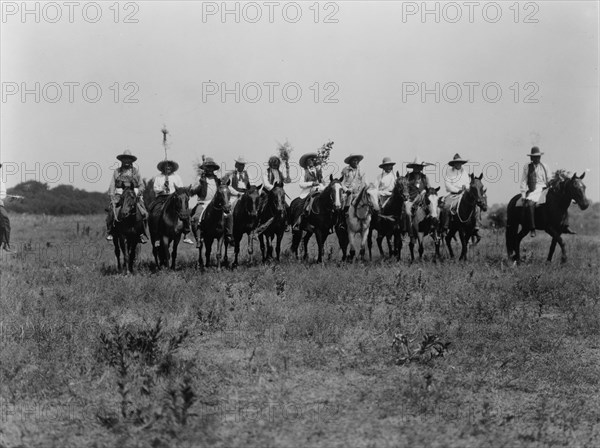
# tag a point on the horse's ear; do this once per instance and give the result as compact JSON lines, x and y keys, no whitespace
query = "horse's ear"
{"x":583,"y":175}
{"x":397,"y":174}
{"x":472,"y":176}
{"x":437,"y":189}
{"x":331,"y":178}
{"x":258,"y":187}
{"x":481,"y":176}
{"x":228,"y":183}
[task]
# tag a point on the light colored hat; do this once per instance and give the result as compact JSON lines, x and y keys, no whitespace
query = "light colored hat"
{"x":305,"y":157}
{"x":241,"y":160}
{"x":386,"y":161}
{"x":163,"y":165}
{"x":457,"y":159}
{"x":127,"y":155}
{"x":535,"y":151}
{"x":353,"y":156}
{"x":209,"y":161}
{"x":417,"y":162}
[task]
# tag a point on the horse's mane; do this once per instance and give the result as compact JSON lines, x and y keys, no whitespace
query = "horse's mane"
{"x":558,"y":178}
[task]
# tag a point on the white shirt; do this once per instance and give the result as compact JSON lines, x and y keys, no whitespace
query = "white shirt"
{"x":174,"y":181}
{"x":385,"y":183}
{"x":541,"y":177}
{"x":455,"y":179}
{"x":211,"y":189}
{"x":276,"y":178}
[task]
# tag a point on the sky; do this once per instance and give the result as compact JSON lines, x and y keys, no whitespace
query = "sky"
{"x":83,"y":81}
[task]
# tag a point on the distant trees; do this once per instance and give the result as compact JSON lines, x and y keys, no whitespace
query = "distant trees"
{"x":60,"y":200}
{"x":496,"y":216}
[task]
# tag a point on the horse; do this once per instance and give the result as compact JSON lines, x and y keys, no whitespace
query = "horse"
{"x":425,"y":221}
{"x":549,"y":216}
{"x":464,"y":219}
{"x":245,"y":219}
{"x":275,"y":213}
{"x":169,"y":216}
{"x":390,"y":221}
{"x":321,"y":218}
{"x":358,"y":221}
{"x":212,"y":226}
{"x":126,"y":230}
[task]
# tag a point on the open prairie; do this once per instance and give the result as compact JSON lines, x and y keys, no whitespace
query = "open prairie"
{"x":374,"y":354}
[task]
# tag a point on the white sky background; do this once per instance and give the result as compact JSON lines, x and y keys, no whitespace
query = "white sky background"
{"x":368,"y":54}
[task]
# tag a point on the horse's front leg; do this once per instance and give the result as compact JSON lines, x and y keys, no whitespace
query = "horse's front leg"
{"x":164,"y":251}
{"x":364,"y":235}
{"x":464,"y":241}
{"x":236,"y":251}
{"x":131,"y":249}
{"x":261,"y":243}
{"x":208,"y":244}
{"x":174,"y":251}
{"x":351,"y":242}
{"x":117,"y":252}
{"x":370,"y":243}
{"x":219,"y":249}
{"x":278,"y":245}
{"x":305,"y":242}
{"x":449,"y":236}
{"x":321,"y":244}
{"x":556,"y":238}
{"x":420,"y":238}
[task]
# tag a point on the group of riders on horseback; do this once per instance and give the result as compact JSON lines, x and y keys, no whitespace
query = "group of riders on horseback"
{"x":352,"y":183}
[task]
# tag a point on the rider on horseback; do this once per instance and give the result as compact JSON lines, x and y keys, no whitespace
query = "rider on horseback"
{"x":418,"y":183}
{"x":126,"y":176}
{"x":457,"y":181}
{"x":353,"y":180}
{"x":240,"y":182}
{"x":311,"y":184}
{"x":207,"y":185}
{"x":386,"y":180}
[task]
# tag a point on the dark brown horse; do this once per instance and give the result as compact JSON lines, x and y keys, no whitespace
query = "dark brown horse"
{"x":126,"y":230}
{"x":212,"y":226}
{"x":390,"y":222}
{"x":275,"y":213}
{"x":425,"y":221}
{"x":549,"y":216}
{"x":245,"y":219}
{"x":320,"y":219}
{"x":463,"y":219}
{"x":169,"y":217}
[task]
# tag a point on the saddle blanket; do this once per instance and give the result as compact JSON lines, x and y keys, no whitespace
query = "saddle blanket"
{"x":541,"y":200}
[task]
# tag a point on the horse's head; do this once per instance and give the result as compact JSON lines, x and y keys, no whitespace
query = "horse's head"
{"x":277,"y":199}
{"x":221,"y":198}
{"x":252,"y":200}
{"x":401,"y":187}
{"x":431,"y":200}
{"x":333,"y":192}
{"x":478,"y":191}
{"x":182,"y":202}
{"x":575,"y":188}
{"x":128,"y":203}
{"x":372,"y":195}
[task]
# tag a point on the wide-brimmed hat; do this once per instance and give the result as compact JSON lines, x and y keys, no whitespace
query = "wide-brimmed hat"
{"x":305,"y":157}
{"x":127,"y":155}
{"x":353,"y":156}
{"x":457,"y":159}
{"x":209,"y":161}
{"x":386,"y":161}
{"x":417,"y":162}
{"x":162,"y":165}
{"x":241,"y":159}
{"x":535,"y":151}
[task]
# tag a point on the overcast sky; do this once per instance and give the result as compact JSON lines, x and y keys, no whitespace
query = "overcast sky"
{"x":508,"y":77}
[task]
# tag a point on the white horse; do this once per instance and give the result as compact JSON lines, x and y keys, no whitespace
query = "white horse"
{"x":358,"y":221}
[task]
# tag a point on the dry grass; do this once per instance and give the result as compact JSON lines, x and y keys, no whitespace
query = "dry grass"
{"x":295,"y":354}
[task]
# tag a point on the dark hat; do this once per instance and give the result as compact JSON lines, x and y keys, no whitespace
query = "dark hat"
{"x":417,"y":163}
{"x":457,"y":159}
{"x":127,"y":155}
{"x":209,"y":161}
{"x":305,"y":157}
{"x":163,"y":165}
{"x":535,"y":151}
{"x":353,"y":156}
{"x":274,"y":159}
{"x":386,"y":161}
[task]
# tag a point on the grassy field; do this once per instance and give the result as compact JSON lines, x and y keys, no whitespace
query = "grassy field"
{"x":296,"y":354}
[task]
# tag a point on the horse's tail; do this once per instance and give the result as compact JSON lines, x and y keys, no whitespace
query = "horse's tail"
{"x":512,"y":227}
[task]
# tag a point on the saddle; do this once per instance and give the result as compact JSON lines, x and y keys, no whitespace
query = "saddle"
{"x":541,"y":200}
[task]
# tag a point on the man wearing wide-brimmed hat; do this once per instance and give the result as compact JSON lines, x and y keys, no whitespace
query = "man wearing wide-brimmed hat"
{"x":457,"y":181}
{"x":126,"y":176}
{"x":534,"y":180}
{"x":206,"y":188}
{"x":418,"y":183}
{"x":240,"y":182}
{"x":386,"y":180}
{"x":5,"y":241}
{"x":353,"y":180}
{"x":311,"y":183}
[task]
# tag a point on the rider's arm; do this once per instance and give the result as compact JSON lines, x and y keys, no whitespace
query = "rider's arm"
{"x":524,"y":176}
{"x":159,"y":184}
{"x":111,"y":187}
{"x":266,"y":184}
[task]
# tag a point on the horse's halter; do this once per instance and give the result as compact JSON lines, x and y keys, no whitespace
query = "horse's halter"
{"x":223,"y":196}
{"x":131,"y":209}
{"x":250,"y":202}
{"x":276,"y":203}
{"x":575,"y":188}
